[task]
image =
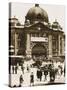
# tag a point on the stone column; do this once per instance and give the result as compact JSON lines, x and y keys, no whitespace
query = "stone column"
{"x":59,"y":45}
{"x":63,"y":48}
{"x":50,"y":46}
{"x":16,"y":43}
{"x":28,"y":46}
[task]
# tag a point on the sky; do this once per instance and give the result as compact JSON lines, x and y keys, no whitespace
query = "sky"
{"x":19,"y":10}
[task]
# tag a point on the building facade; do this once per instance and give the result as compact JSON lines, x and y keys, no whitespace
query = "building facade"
{"x":37,"y":37}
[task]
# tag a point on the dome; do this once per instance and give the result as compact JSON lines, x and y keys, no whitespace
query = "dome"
{"x":37,"y":14}
{"x":56,"y":25}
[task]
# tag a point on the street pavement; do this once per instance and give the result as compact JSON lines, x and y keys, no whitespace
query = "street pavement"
{"x":26,"y":78}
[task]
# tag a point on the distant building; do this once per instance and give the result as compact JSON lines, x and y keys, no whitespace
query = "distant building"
{"x":37,"y":37}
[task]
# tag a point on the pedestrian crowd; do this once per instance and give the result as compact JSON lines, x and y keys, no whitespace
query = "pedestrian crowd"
{"x":51,"y":69}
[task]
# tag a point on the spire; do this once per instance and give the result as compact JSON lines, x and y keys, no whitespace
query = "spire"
{"x":55,"y":20}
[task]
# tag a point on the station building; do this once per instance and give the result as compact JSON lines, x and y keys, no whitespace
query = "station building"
{"x":37,"y":37}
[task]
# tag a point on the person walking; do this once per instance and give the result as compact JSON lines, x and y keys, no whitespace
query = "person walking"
{"x":27,"y":68}
{"x":21,"y":80}
{"x":22,"y":68}
{"x":13,"y":69}
{"x":37,"y":74}
{"x":45,"y":72}
{"x":32,"y":79}
{"x":40,"y":75}
{"x":16,"y":69}
{"x":52,"y":75}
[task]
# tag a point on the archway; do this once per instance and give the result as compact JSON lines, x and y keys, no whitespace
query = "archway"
{"x":39,"y":52}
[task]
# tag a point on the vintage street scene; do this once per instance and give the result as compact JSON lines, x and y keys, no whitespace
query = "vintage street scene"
{"x":36,"y":45}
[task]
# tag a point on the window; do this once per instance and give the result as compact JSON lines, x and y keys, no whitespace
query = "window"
{"x":32,"y":34}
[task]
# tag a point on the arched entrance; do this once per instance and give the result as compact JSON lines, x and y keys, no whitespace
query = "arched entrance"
{"x":39,"y":52}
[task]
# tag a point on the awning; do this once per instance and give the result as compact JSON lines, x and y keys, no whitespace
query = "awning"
{"x":56,"y":59}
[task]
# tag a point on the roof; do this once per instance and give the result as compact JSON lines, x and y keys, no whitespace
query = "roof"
{"x":37,"y":13}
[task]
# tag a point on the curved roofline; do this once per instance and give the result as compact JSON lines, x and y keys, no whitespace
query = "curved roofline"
{"x":37,"y":13}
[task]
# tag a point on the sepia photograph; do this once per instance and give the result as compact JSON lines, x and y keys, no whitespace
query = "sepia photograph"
{"x":36,"y":44}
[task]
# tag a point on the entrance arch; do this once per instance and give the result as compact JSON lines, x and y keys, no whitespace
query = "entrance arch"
{"x":39,"y":51}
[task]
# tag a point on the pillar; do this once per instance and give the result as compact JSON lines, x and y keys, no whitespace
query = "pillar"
{"x":63,"y":48}
{"x":59,"y":45}
{"x":50,"y":46}
{"x":16,"y":43}
{"x":28,"y":46}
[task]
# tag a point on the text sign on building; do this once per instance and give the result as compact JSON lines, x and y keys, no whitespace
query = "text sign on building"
{"x":39,"y":39}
